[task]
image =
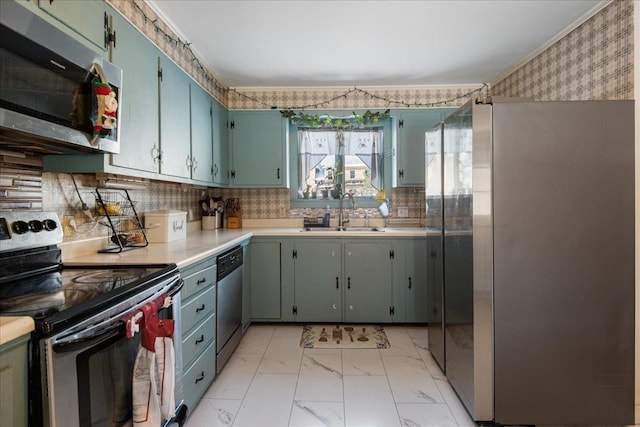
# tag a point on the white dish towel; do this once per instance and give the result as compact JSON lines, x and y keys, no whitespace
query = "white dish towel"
{"x":153,"y":384}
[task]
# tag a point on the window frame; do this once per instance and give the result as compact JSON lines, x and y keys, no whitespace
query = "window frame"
{"x":388,"y":144}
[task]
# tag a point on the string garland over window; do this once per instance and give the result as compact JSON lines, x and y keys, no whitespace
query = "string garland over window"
{"x":174,"y":40}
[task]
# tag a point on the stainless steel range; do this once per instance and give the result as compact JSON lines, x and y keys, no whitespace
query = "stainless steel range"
{"x":81,"y":358}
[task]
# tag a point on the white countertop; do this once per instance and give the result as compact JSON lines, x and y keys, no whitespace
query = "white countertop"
{"x":201,"y":244}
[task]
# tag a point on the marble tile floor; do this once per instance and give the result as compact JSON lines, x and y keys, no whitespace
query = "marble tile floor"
{"x":271,"y":382}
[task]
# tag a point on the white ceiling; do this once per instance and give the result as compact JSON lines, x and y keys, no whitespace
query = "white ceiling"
{"x":264,"y":43}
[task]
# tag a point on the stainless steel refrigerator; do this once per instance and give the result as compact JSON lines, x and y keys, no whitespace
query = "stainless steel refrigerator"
{"x":530,"y":215}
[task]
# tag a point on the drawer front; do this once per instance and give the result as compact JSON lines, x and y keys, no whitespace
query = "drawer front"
{"x":201,"y":279}
{"x":195,"y":343}
{"x":198,"y":378}
{"x":198,"y":309}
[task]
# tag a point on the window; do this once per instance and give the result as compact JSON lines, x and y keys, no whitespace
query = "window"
{"x":334,"y":161}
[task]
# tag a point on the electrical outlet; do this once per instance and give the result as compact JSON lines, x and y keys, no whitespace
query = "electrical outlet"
{"x":68,"y":225}
{"x":403,"y":212}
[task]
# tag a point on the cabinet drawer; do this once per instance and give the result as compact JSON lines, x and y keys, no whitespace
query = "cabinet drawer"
{"x":198,"y":309}
{"x":198,"y":378}
{"x":198,"y":340}
{"x":198,"y":281}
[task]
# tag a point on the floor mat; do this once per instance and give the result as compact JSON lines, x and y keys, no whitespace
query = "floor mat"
{"x":343,"y":336}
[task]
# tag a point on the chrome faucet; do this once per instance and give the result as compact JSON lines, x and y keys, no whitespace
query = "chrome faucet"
{"x":341,"y":220}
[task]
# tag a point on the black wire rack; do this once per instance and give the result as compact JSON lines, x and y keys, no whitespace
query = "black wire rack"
{"x":117,"y":211}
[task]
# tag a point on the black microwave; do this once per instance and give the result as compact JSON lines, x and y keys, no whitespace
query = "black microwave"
{"x":57,"y":95}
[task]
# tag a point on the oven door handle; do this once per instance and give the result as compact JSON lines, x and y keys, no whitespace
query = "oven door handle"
{"x":76,"y":344}
{"x":90,"y":341}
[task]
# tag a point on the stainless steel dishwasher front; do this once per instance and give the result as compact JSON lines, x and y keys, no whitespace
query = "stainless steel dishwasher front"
{"x":229,"y":305}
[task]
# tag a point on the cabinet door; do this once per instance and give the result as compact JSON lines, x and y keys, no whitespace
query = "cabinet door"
{"x":257,"y":149}
{"x":416,"y":281}
{"x":86,"y":17}
{"x":174,"y":120}
{"x":318,"y":287}
{"x":264,"y":272}
{"x":13,"y":383}
{"x":410,"y":153}
{"x":220,"y":144}
{"x":139,"y":121}
{"x":201,"y":135}
{"x":369,"y":276}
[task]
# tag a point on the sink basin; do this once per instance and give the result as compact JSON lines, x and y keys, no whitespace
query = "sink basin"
{"x":353,"y":229}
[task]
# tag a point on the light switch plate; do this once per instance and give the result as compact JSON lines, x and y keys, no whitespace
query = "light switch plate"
{"x":403,"y":212}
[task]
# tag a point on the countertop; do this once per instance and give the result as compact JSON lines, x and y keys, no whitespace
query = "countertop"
{"x":201,"y":244}
{"x":14,"y":327}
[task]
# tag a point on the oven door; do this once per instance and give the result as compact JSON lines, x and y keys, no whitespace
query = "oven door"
{"x":88,"y":369}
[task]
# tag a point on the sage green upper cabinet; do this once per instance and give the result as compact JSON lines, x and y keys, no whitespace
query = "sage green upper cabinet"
{"x":409,"y":151}
{"x":220,"y":145}
{"x":201,"y":135}
{"x":174,"y":120}
{"x":139,"y":121}
{"x":318,"y":282}
{"x":86,"y":17}
{"x":258,"y":149}
{"x":369,"y":275}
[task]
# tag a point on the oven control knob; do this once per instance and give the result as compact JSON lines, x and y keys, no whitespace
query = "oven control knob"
{"x":36,"y":226}
{"x":20,"y":227}
{"x":49,"y":224}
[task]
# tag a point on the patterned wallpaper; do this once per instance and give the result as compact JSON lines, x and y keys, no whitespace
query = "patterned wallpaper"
{"x":347,"y":98}
{"x":145,"y":19}
{"x":594,"y":61}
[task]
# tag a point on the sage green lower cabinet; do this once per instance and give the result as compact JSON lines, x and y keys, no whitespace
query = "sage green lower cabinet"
{"x":415,"y":281}
{"x":264,"y":274}
{"x":368,"y":270}
{"x":198,"y":329}
{"x":334,"y":279}
{"x":317,"y":268}
{"x":13,"y":383}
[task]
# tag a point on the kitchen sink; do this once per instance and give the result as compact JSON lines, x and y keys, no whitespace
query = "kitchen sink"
{"x":352,"y":229}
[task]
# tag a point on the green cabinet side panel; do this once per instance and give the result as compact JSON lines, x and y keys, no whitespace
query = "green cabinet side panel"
{"x":318,"y":282}
{"x":264,"y":271}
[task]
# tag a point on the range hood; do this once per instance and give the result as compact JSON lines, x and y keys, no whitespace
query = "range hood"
{"x":26,"y":134}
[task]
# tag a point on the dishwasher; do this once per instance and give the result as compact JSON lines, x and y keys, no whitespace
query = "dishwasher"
{"x":229,"y":305}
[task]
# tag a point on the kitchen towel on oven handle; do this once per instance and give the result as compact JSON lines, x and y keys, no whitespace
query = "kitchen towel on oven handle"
{"x":154,"y":372}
